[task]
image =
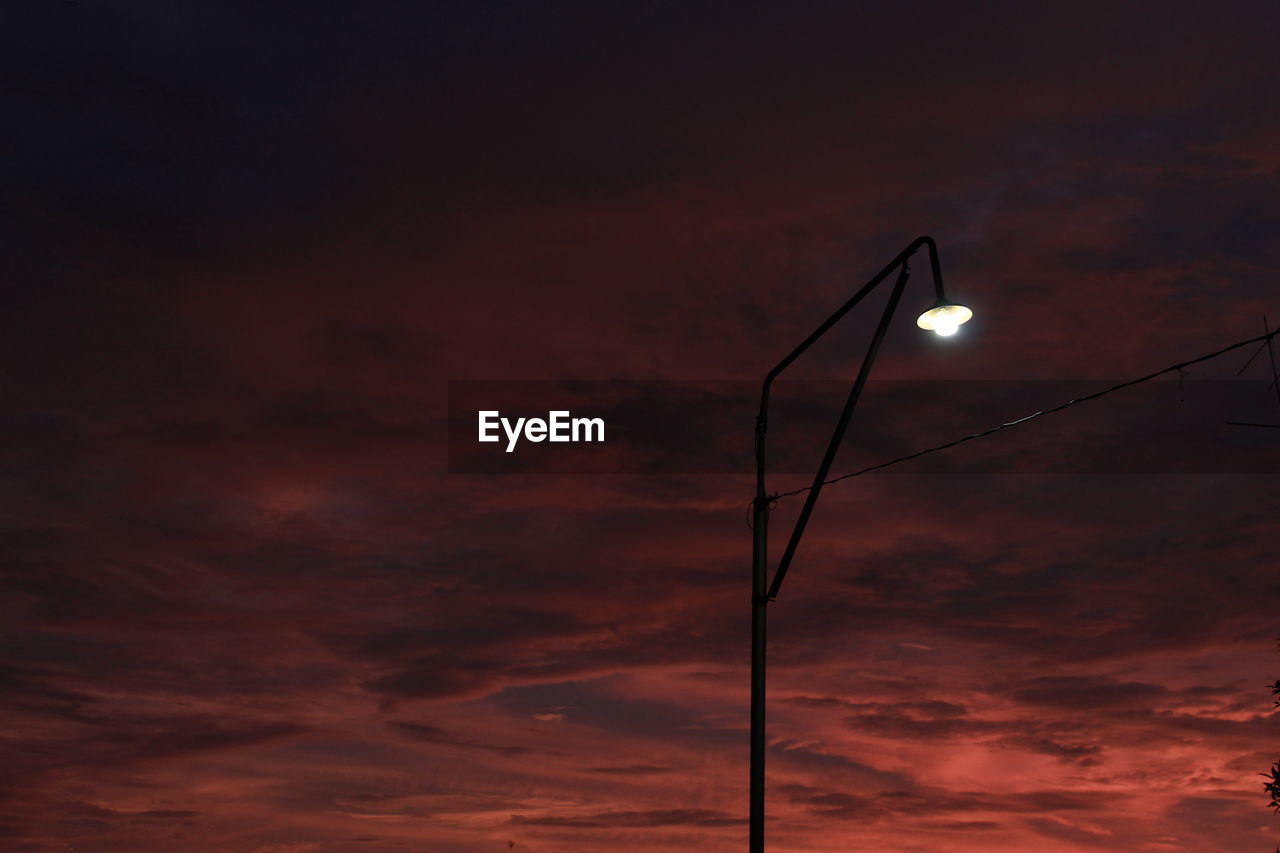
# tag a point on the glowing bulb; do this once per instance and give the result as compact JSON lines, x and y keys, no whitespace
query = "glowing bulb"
{"x":944,"y":317}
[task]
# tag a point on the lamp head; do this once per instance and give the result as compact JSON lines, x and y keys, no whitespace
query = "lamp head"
{"x":944,"y":317}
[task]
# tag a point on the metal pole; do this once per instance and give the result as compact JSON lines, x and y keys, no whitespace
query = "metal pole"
{"x":762,"y":592}
{"x":759,"y":601}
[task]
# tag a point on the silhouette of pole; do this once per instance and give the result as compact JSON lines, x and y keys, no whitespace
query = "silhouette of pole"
{"x":762,"y":591}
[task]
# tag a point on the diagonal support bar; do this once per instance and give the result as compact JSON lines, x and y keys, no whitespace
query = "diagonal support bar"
{"x":841,"y":427}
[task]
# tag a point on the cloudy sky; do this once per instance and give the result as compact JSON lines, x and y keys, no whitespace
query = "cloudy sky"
{"x":247,"y":608}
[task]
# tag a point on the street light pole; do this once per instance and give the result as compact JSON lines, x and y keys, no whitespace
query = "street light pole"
{"x":944,"y":318}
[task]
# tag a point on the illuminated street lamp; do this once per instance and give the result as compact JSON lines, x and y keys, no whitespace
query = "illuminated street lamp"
{"x":944,"y":318}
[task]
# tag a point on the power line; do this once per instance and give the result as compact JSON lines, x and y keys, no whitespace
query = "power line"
{"x":1266,"y":338}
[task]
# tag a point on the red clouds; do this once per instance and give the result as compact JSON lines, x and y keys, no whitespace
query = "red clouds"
{"x":246,"y":609}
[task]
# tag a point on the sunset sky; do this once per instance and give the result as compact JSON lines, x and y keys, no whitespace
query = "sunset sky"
{"x":247,"y":248}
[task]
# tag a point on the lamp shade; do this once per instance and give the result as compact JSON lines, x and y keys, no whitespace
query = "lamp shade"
{"x":944,"y":318}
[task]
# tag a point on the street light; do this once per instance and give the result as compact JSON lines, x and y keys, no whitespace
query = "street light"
{"x":944,"y":318}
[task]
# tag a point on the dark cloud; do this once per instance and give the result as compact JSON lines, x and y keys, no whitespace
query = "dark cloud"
{"x":634,"y":769}
{"x":1084,"y":692}
{"x":605,"y":820}
{"x":432,"y":734}
{"x":932,"y":801}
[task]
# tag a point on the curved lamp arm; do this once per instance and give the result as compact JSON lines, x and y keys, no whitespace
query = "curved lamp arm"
{"x":762,"y":423}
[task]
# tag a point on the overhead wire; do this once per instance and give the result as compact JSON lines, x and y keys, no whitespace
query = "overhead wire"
{"x":1264,"y":338}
